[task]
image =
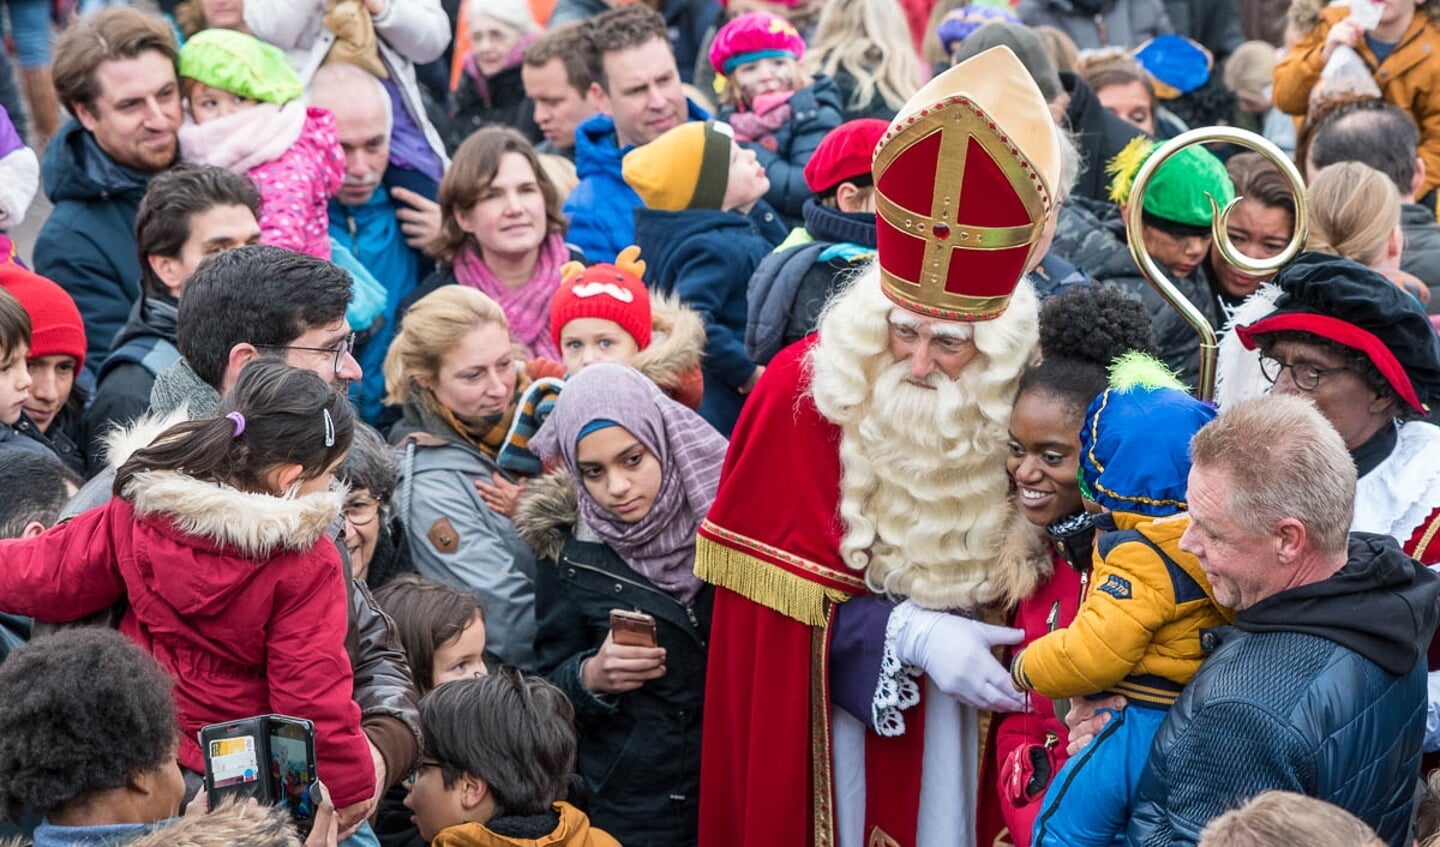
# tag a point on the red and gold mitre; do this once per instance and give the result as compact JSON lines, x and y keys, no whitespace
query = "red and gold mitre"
{"x":964,"y":178}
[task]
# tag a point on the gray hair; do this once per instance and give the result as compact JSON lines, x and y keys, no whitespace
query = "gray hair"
{"x":340,"y":80}
{"x":1284,"y":460}
{"x":370,"y":464}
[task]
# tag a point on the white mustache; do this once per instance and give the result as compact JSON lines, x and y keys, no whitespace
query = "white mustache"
{"x":368,"y":179}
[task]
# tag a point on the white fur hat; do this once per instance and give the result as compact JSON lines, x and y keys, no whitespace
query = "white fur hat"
{"x":513,"y":13}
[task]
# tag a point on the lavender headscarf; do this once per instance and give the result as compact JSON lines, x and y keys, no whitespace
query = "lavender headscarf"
{"x":661,"y":545}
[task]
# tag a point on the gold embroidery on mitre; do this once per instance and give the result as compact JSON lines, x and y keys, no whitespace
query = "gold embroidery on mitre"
{"x":987,"y":107}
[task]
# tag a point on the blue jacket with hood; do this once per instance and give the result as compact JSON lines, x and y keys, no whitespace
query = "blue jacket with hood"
{"x":87,"y":245}
{"x":602,"y":207}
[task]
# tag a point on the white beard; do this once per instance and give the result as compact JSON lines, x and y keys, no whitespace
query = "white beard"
{"x":923,"y":492}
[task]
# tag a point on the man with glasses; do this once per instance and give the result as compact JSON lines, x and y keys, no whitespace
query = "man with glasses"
{"x":1365,"y":354}
{"x":256,"y":302}
{"x":264,"y":302}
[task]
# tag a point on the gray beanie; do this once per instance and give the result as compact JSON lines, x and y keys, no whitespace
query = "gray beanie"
{"x":1026,"y":45}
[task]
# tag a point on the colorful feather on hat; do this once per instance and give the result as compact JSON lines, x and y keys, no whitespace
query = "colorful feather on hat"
{"x":1135,"y":369}
{"x":1125,"y":165}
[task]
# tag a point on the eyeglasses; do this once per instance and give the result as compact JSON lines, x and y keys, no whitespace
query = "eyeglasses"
{"x":339,"y":351}
{"x":361,"y":510}
{"x":1305,"y":376}
{"x":421,"y":766}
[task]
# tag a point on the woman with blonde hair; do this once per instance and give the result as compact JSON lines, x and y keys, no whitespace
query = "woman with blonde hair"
{"x":864,"y":46}
{"x":453,"y":368}
{"x":1355,"y":214}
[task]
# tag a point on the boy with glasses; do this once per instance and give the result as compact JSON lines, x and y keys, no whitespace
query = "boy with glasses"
{"x":498,"y":755}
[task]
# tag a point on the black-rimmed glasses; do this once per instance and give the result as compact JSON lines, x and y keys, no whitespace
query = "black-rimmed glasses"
{"x":1305,"y":376}
{"x":339,"y":351}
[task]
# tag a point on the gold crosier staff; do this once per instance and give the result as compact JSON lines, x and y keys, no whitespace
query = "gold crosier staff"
{"x":1209,"y":350}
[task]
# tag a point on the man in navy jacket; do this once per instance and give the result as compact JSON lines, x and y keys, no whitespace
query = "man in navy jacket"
{"x":1319,"y":686}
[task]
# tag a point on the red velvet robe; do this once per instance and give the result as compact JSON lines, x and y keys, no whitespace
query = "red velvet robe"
{"x":771,"y":543}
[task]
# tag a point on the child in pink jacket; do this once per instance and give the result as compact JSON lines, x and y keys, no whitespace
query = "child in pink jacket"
{"x":248,"y":114}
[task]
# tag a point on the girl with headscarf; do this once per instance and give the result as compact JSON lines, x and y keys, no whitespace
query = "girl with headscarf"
{"x":617,"y":526}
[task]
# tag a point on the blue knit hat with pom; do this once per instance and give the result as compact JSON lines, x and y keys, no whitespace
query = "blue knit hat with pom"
{"x":1135,"y":444}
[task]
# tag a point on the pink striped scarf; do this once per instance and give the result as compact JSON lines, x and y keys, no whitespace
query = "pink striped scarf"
{"x":527,"y":307}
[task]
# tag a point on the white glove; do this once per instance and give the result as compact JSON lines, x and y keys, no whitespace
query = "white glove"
{"x":955,"y":653}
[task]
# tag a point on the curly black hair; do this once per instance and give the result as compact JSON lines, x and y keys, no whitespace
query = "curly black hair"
{"x":1081,"y":332}
{"x":84,"y":710}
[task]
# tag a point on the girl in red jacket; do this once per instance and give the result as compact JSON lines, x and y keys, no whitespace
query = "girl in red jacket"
{"x":216,"y":555}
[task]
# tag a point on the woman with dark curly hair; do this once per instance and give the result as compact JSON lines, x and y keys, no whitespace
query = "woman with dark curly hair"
{"x":1081,"y":332}
{"x":88,"y":738}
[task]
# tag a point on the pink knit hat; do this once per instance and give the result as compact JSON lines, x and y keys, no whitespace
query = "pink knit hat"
{"x":754,"y":36}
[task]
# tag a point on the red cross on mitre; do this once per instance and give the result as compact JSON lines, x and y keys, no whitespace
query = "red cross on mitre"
{"x":959,"y":208}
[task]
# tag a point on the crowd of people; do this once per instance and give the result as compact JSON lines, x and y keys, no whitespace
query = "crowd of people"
{"x":723,"y":422}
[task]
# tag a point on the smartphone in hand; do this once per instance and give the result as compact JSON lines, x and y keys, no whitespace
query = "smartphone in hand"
{"x":632,"y":629}
{"x":270,"y":758}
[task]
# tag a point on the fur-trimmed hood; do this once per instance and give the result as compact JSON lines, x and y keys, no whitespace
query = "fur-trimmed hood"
{"x":548,"y":513}
{"x":677,"y":343}
{"x":232,"y":823}
{"x":1024,"y":562}
{"x":252,"y":525}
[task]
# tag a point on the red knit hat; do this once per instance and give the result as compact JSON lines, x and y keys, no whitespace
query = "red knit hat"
{"x":611,"y":292}
{"x":845,"y":154}
{"x":752,"y":37}
{"x":56,"y":326}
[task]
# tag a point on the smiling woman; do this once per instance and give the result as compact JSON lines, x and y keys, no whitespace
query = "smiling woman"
{"x":1080,"y":333}
{"x":502,"y":233}
{"x":455,"y":371}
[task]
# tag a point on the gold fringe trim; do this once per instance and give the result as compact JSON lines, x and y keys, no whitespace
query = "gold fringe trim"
{"x":762,"y":582}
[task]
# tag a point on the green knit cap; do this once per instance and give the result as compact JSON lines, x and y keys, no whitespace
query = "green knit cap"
{"x":240,"y":64}
{"x":1178,"y":190}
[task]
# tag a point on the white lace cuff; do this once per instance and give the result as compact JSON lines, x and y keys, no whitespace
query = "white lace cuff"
{"x":898,"y":688}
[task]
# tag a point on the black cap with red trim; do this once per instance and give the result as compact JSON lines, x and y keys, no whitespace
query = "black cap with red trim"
{"x":1354,"y":306}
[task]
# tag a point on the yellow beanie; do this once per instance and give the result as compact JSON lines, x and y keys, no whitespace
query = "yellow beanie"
{"x":686,"y":168}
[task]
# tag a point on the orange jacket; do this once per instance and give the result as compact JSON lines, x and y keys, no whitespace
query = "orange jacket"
{"x":1408,"y":78}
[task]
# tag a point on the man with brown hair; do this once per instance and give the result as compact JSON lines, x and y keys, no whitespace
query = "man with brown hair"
{"x":115,"y":72}
{"x":636,"y":86}
{"x":557,"y":78}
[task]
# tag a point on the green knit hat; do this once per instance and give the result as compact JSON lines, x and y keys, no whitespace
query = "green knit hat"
{"x":240,"y":64}
{"x":1178,"y":191}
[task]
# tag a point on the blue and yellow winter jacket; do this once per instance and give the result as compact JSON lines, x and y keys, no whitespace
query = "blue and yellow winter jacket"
{"x":1137,"y":632}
